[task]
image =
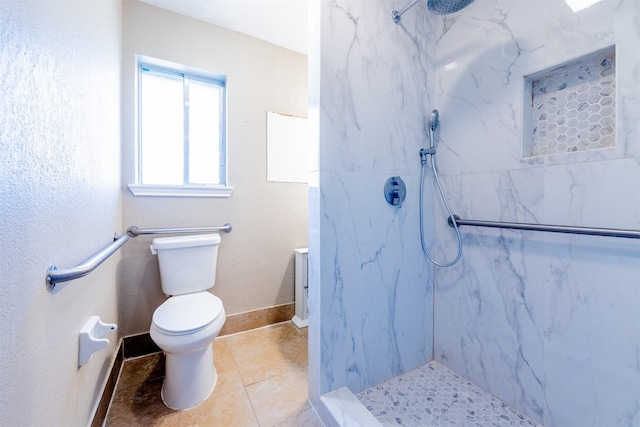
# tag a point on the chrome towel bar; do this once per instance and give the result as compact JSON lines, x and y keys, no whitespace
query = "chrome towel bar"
{"x":135,"y":231}
{"x":610,"y":232}
{"x":55,"y":275}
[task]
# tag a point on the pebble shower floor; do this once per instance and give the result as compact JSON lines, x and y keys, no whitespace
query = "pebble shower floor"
{"x":434,"y":396}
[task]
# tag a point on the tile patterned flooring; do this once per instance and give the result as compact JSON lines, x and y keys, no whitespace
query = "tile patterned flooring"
{"x":262,"y":382}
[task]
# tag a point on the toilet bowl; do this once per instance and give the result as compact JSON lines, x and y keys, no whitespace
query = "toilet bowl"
{"x":185,"y":325}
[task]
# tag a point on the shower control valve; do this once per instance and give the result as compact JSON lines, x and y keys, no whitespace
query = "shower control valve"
{"x":395,"y":191}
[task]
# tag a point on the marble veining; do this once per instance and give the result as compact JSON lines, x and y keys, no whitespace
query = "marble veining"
{"x":547,"y":323}
{"x":368,"y":278}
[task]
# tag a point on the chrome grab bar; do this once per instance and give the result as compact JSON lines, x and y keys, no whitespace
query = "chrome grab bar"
{"x":55,"y":275}
{"x":135,"y":231}
{"x":610,"y":232}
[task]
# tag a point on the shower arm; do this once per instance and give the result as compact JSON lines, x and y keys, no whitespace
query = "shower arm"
{"x":397,"y":14}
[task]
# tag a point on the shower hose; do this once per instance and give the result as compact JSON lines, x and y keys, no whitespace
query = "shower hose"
{"x":446,"y":205}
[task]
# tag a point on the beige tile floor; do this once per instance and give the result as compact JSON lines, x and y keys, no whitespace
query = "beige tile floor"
{"x":262,"y":382}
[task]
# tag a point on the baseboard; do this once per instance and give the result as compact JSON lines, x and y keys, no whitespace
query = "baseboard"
{"x":257,"y":318}
{"x":139,"y":345}
{"x":110,"y":387}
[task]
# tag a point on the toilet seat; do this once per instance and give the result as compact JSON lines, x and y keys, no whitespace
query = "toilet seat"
{"x":187,"y":314}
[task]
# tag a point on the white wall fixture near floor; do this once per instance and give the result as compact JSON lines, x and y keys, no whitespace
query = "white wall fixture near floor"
{"x":91,"y":338}
{"x":301,"y":287}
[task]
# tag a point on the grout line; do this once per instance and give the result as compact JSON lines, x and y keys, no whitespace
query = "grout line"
{"x":252,"y":407}
{"x":256,"y":329}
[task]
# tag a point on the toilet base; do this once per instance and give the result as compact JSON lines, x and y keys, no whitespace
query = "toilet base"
{"x":189,"y":378}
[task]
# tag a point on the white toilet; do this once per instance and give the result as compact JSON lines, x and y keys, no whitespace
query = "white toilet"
{"x":186,"y":324}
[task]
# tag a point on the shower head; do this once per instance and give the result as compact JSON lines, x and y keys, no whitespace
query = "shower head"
{"x":439,"y":7}
{"x":430,"y":127}
{"x":434,"y":120}
{"x":445,"y":7}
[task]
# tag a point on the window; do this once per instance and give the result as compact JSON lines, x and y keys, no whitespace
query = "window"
{"x":181,"y":132}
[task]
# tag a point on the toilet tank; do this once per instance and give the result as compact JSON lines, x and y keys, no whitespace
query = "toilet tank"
{"x":187,"y":263}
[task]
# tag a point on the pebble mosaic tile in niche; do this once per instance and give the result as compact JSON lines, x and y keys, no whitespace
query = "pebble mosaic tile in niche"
{"x":573,"y":107}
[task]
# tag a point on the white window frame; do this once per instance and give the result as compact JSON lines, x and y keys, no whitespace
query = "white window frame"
{"x":187,"y":189}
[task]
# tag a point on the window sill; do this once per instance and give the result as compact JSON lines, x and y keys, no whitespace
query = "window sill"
{"x":180,"y":191}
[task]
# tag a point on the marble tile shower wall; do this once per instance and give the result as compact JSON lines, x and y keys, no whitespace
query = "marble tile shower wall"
{"x":549,"y":323}
{"x":375,"y":303}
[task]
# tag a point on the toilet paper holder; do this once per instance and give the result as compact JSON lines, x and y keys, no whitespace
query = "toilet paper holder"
{"x":90,"y":339}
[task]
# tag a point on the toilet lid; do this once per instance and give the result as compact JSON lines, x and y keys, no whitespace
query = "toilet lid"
{"x":188,"y":313}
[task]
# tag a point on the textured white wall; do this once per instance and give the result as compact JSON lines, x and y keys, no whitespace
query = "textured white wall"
{"x":255,"y":265}
{"x":59,"y":201}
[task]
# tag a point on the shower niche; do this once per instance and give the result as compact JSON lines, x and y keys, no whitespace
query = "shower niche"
{"x":570,"y":107}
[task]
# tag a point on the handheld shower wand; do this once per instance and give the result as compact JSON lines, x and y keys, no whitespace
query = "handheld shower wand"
{"x":433,"y":122}
{"x":430,"y":127}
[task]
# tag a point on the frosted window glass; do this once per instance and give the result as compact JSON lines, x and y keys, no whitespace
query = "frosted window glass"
{"x":287,"y":148}
{"x":204,"y":133}
{"x":162,"y":129}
